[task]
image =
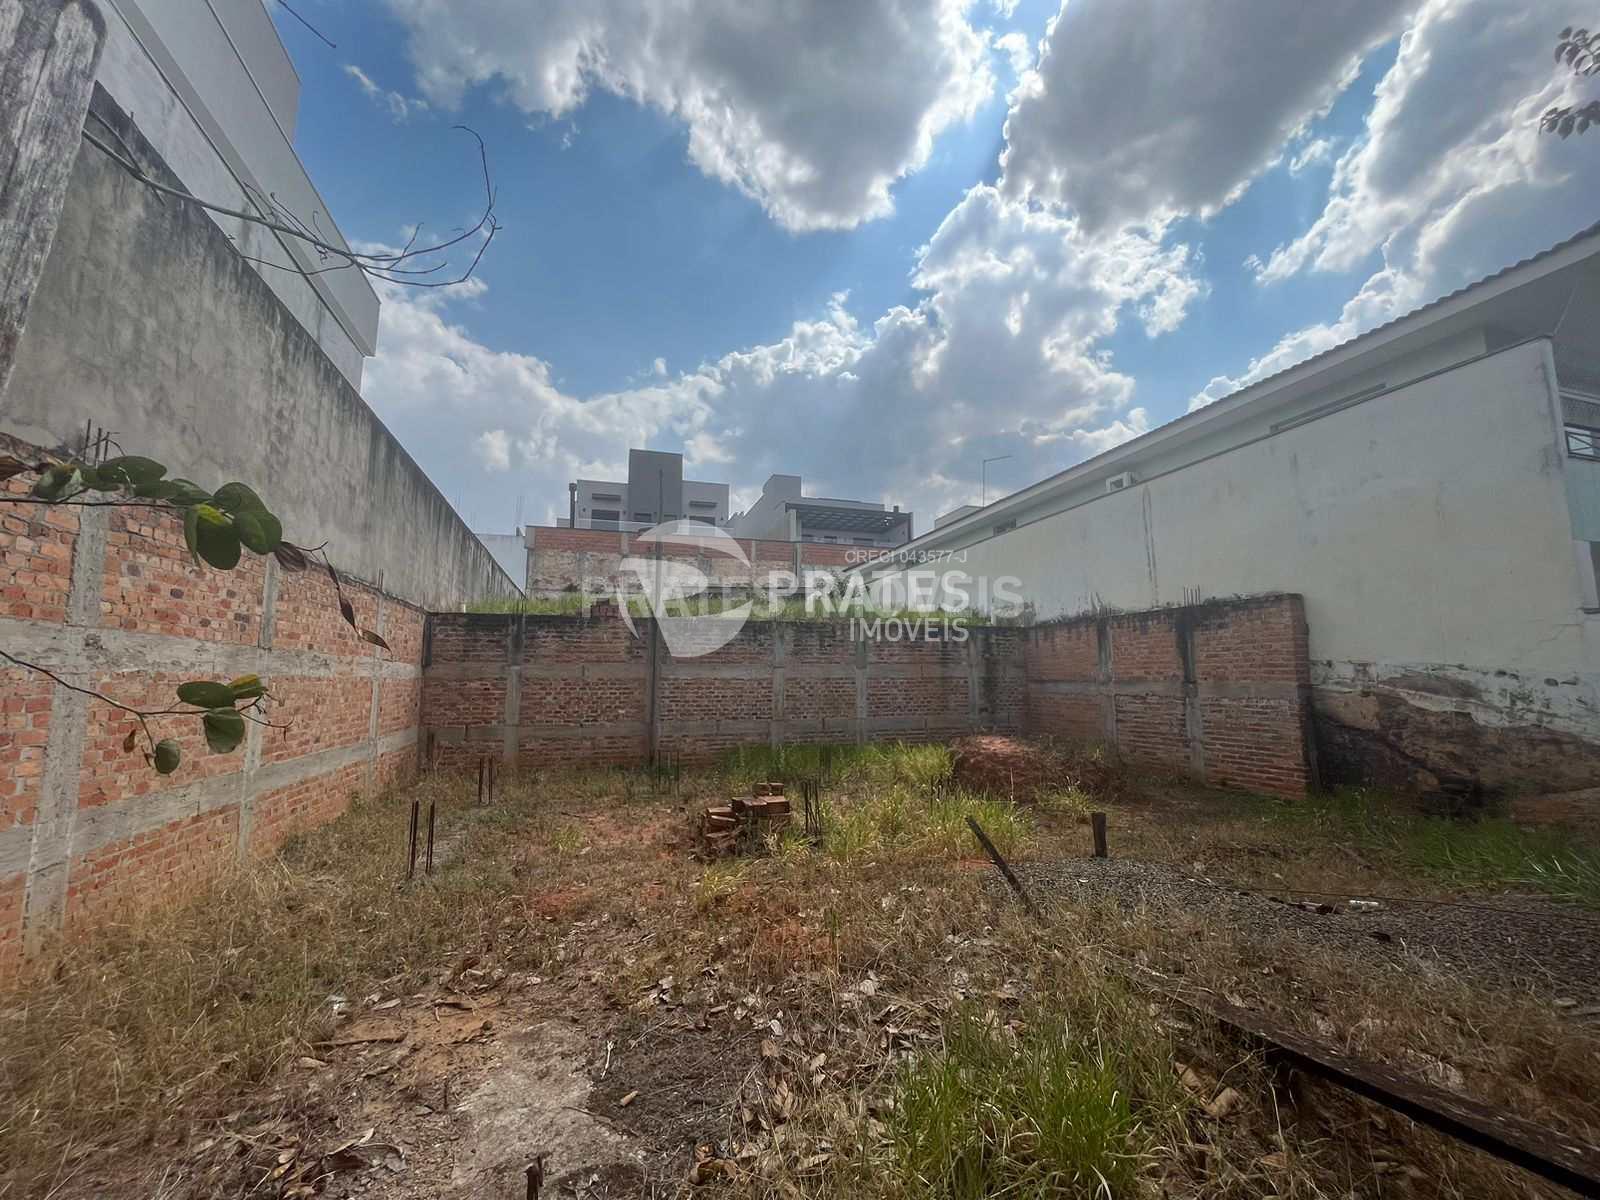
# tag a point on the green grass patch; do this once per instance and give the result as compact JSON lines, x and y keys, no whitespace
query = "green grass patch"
{"x":881,"y":763}
{"x":1040,"y":1112}
{"x":1485,"y":851}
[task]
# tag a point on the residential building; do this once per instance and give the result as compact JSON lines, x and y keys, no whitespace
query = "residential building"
{"x":1431,"y":488}
{"x":785,"y":514}
{"x":654,"y":491}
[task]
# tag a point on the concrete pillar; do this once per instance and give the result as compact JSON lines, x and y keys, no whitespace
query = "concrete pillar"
{"x":49,"y":50}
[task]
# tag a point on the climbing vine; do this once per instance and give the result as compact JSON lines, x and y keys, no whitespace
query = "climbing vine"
{"x":219,"y":527}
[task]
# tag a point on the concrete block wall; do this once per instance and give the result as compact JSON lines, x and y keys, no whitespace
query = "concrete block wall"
{"x":1220,"y":690}
{"x":563,"y":690}
{"x":109,"y":600}
{"x":147,"y":320}
{"x":562,"y":561}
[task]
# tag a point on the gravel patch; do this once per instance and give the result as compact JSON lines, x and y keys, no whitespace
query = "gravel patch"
{"x":1527,"y":944}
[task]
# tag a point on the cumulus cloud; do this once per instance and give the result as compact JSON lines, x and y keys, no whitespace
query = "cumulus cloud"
{"x":494,"y":447}
{"x":1143,"y":109}
{"x":1005,"y":341}
{"x":1018,"y":52}
{"x":401,"y":107}
{"x":1318,"y":150}
{"x":812,"y":110}
{"x":1450,"y":181}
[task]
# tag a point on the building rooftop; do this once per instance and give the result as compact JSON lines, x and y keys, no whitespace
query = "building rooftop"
{"x":1531,"y":298}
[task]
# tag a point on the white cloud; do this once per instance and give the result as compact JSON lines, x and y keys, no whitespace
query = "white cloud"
{"x":494,"y":446}
{"x":401,"y":107}
{"x":1142,"y":109}
{"x":1004,"y":348}
{"x":1018,"y":51}
{"x":813,"y":110}
{"x":1450,"y":181}
{"x":1318,"y":150}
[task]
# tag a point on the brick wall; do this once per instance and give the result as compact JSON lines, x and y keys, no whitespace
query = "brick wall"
{"x":1220,"y":690}
{"x":544,"y":691}
{"x":111,"y":601}
{"x":563,"y":561}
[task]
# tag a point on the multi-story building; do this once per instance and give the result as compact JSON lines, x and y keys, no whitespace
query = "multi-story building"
{"x":654,"y":491}
{"x":785,"y":514}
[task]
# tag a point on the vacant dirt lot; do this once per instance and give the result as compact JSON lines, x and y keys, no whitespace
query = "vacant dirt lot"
{"x":573,"y":991}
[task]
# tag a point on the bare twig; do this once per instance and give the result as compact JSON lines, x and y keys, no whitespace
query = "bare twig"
{"x":388,"y":267}
{"x":142,"y":715}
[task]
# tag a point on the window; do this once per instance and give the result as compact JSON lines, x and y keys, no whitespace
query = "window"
{"x":605,"y":514}
{"x":644,"y":516}
{"x":702,"y":504}
{"x":1583,"y":442}
{"x":865,"y":541}
{"x":610,"y":496}
{"x":669,"y":516}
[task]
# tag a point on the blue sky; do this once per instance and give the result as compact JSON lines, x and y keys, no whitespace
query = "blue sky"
{"x":995,"y":298}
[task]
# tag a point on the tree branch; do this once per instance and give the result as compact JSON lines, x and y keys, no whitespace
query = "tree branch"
{"x":388,"y":267}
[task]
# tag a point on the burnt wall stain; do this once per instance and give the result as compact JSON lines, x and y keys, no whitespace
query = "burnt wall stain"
{"x":1379,"y":739}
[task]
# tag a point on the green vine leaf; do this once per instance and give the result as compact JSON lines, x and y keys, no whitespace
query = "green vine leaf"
{"x":130,"y":470}
{"x":216,"y":540}
{"x":224,"y":729}
{"x":206,"y":693}
{"x":259,"y":530}
{"x":189,"y":492}
{"x":248,"y":687}
{"x":167,"y":756}
{"x":237,"y":498}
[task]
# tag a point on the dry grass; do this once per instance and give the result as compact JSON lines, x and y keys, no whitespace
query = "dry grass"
{"x":925,"y":995}
{"x":169,"y":1020}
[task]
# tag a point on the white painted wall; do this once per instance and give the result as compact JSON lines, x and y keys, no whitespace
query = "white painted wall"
{"x":208,"y":82}
{"x":1427,"y":527}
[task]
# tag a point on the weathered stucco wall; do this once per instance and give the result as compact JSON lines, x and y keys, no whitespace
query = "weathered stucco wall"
{"x":147,"y":322}
{"x":1427,"y":529}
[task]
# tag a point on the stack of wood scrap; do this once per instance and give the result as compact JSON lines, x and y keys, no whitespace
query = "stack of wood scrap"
{"x":744,"y":822}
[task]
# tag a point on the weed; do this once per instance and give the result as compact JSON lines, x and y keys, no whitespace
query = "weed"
{"x":1462,"y":852}
{"x":1040,"y":1112}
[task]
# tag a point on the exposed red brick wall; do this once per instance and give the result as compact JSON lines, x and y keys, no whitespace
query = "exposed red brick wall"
{"x":109,"y":773}
{"x":302,"y":806}
{"x":172,"y":860}
{"x":1220,"y":689}
{"x":35,"y":551}
{"x":150,"y":584}
{"x":586,"y":689}
{"x":132,"y":620}
{"x":24,"y":731}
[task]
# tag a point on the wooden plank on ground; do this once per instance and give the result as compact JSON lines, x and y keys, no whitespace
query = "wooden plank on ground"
{"x":1562,"y":1160}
